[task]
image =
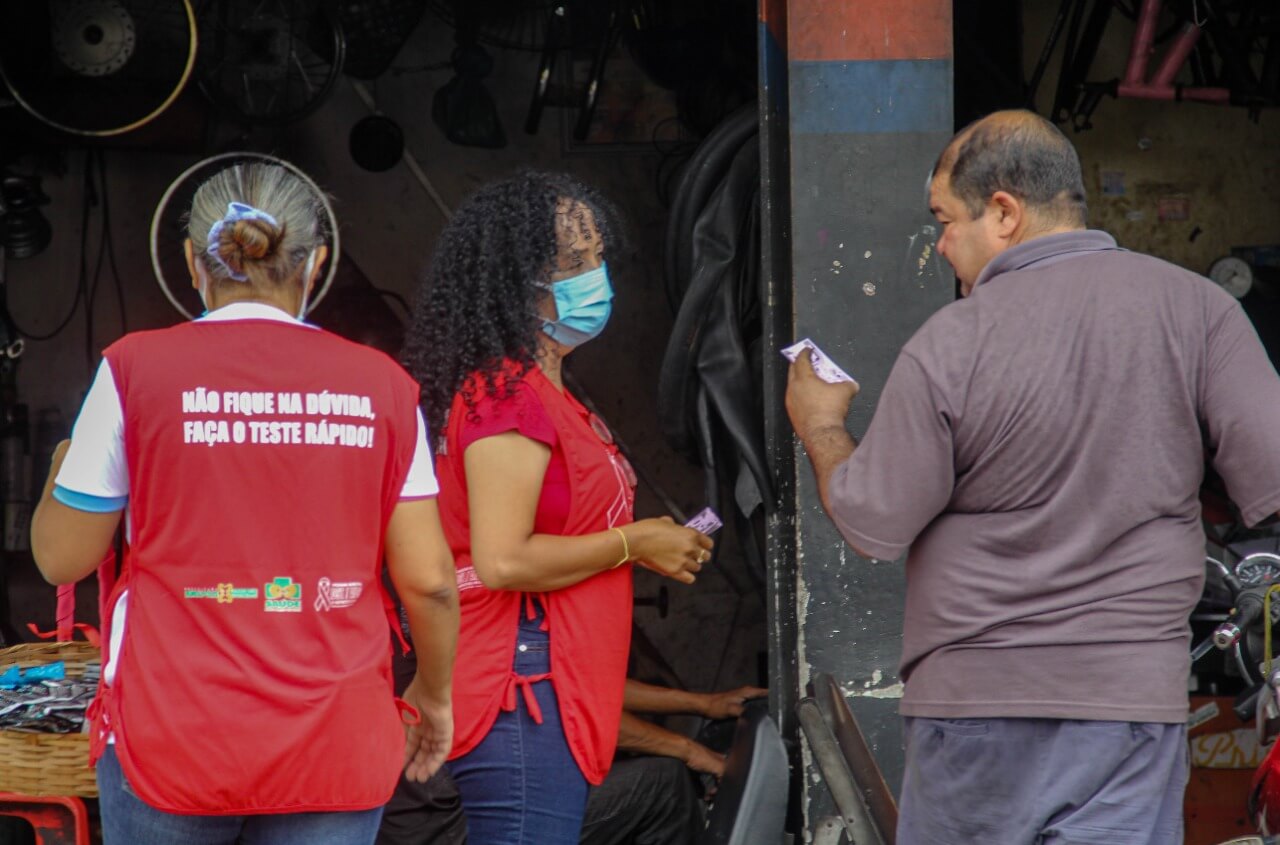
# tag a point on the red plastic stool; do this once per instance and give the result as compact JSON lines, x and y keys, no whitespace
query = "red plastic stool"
{"x":57,"y":819}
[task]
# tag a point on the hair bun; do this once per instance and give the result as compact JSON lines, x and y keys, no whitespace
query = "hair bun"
{"x":249,"y":239}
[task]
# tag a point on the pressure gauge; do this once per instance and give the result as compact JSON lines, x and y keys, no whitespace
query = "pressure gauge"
{"x":1232,"y":274}
{"x":1258,"y":568}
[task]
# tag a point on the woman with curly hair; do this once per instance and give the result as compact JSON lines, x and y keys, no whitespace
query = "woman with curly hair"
{"x":536,"y":502}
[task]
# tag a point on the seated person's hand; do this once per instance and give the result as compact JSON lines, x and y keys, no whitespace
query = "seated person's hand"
{"x":702,"y":759}
{"x":728,"y":704}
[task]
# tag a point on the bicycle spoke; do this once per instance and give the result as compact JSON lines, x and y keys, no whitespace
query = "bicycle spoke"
{"x":302,"y":71}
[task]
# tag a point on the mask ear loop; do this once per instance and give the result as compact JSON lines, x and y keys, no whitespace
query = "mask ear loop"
{"x":306,"y":283}
{"x":547,"y":326}
{"x":203,"y":289}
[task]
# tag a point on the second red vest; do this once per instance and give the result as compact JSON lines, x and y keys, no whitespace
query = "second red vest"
{"x":589,"y":622}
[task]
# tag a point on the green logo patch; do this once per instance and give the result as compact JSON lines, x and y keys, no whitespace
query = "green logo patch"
{"x":283,"y":595}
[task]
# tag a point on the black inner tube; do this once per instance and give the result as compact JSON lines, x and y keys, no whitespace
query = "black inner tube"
{"x":710,"y":402}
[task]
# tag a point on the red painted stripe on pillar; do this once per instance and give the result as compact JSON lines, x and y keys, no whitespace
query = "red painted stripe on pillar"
{"x":857,"y":30}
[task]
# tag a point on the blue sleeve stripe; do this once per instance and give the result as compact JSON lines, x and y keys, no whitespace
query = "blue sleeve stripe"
{"x":91,"y":504}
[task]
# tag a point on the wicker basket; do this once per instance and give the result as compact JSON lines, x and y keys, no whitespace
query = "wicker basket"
{"x":48,"y":764}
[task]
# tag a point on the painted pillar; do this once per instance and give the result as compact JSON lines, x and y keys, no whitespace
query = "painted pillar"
{"x":856,"y":105}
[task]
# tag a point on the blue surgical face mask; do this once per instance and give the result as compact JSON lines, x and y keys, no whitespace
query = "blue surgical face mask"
{"x":584,"y":304}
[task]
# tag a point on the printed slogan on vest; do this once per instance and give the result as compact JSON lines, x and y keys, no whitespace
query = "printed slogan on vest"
{"x":211,"y":417}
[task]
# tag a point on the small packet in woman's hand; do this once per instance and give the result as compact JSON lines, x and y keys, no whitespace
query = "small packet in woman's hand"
{"x":707,"y":521}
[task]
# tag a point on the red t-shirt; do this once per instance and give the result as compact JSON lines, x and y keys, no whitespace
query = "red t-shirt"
{"x":587,"y":487}
{"x":524,"y":413}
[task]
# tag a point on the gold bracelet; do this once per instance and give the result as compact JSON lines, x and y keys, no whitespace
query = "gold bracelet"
{"x":626,"y":549}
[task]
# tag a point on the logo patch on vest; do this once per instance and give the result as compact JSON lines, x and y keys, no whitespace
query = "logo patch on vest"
{"x":334,"y":595}
{"x":283,"y":596}
{"x":222,"y":593}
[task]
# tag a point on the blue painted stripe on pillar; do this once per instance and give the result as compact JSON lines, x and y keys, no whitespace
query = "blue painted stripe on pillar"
{"x":870,"y":97}
{"x":773,"y":60}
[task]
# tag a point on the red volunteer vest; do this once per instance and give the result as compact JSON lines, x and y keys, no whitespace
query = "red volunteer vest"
{"x":589,"y":623}
{"x":254,"y":676}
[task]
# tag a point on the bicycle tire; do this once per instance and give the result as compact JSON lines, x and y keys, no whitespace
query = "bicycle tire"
{"x":95,"y":90}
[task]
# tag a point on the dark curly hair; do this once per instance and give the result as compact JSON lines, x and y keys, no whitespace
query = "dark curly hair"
{"x":478,"y":305}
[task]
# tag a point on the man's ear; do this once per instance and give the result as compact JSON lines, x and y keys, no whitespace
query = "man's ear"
{"x":1010,"y":211}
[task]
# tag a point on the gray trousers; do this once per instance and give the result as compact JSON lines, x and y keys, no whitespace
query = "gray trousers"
{"x":1042,"y":782}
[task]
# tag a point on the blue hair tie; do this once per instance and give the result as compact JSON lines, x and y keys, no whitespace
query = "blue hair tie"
{"x":236,"y":211}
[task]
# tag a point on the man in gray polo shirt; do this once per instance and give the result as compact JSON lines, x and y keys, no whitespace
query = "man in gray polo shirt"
{"x":1037,"y":453}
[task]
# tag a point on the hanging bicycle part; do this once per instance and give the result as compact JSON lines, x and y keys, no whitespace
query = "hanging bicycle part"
{"x":559,"y":39}
{"x":24,"y":233}
{"x":169,"y":231}
{"x":1230,"y":49}
{"x":375,"y":30}
{"x":506,"y":24}
{"x":544,"y":88}
{"x":11,"y":343}
{"x":96,"y":67}
{"x":268,"y":61}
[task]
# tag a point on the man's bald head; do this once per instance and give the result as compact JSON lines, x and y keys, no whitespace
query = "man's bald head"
{"x":1023,"y":154}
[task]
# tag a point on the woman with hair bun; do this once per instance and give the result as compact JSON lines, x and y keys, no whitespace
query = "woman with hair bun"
{"x":537,"y":504}
{"x":263,"y":468}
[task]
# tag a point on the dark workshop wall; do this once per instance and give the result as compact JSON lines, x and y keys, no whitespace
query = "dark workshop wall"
{"x":388,"y":226}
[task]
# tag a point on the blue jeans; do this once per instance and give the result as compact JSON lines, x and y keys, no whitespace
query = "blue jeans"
{"x":127,"y":820}
{"x":1050,"y":781}
{"x":521,"y":785}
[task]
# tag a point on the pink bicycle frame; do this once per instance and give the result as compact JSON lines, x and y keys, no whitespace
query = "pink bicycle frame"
{"x":1161,"y":86}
